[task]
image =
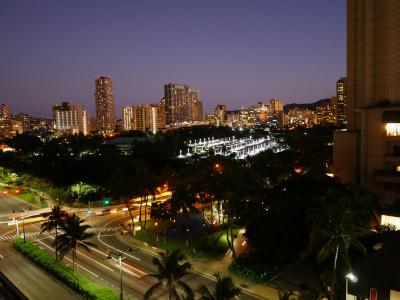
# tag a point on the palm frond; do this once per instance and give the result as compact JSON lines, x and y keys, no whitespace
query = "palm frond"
{"x":188,"y":291}
{"x":152,"y":290}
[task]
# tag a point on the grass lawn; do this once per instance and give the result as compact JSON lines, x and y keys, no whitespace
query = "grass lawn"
{"x":202,"y":247}
{"x":31,"y":198}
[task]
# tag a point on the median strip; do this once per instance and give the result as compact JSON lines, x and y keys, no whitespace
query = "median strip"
{"x":78,"y":282}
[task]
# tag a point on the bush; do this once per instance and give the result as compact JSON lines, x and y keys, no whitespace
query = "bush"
{"x":77,"y":282}
{"x":255,"y":271}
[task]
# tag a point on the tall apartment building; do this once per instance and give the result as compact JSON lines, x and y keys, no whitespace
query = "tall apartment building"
{"x":275,"y":105}
{"x":128,"y":118}
{"x":341,"y":102}
{"x":5,"y":121}
{"x":105,"y":105}
{"x":162,"y":122}
{"x":276,"y":114}
{"x":24,"y":119}
{"x":368,"y":152}
{"x":182,"y":104}
{"x":141,"y":117}
{"x":219,"y":114}
{"x":326,"y":113}
{"x":70,"y":119}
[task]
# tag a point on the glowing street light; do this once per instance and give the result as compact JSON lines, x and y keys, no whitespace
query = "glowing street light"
{"x":120,"y":258}
{"x":353,"y":278}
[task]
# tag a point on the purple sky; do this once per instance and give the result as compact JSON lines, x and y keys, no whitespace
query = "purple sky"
{"x":237,"y":52}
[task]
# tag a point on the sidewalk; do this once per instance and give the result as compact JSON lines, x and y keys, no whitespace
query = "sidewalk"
{"x":209,"y":268}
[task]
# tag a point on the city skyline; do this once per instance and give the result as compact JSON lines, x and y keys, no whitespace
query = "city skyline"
{"x":233,"y":63}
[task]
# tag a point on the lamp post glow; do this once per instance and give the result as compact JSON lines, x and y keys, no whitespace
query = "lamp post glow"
{"x":120,"y":258}
{"x":353,"y":278}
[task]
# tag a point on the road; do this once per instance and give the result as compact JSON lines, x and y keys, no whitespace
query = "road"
{"x":136,"y":265}
{"x":34,"y":282}
{"x":8,"y":204}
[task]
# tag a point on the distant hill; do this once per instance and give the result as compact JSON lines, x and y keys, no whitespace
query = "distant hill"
{"x":311,"y":106}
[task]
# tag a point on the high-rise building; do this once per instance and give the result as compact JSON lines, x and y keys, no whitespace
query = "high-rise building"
{"x":162,"y":122}
{"x":5,"y":121}
{"x":70,"y":119}
{"x":219,"y":114}
{"x":326,"y":113}
{"x":197,"y":110}
{"x":276,"y":114}
{"x":105,"y":105}
{"x":275,"y":105}
{"x":128,"y":118}
{"x":368,"y":152}
{"x":141,"y":117}
{"x":25,"y":120}
{"x":153,"y":118}
{"x":341,"y":102}
{"x":182,"y":104}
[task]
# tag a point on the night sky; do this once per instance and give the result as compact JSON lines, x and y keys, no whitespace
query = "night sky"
{"x":237,"y":52}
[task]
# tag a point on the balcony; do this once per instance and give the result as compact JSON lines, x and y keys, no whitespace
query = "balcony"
{"x":389,"y":158}
{"x":387,"y":176}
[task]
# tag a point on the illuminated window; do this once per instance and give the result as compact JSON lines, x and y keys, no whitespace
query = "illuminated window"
{"x":397,"y":168}
{"x":393,"y":129}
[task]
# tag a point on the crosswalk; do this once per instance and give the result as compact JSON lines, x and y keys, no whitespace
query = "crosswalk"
{"x":9,"y":215}
{"x":36,"y":233}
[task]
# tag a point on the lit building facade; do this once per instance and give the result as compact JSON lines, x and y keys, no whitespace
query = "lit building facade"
{"x":105,"y":105}
{"x":182,"y":104}
{"x":300,"y":117}
{"x":5,"y":121}
{"x":24,"y":120}
{"x":341,"y":102}
{"x":162,"y":122}
{"x":326,"y":114}
{"x":70,"y":119}
{"x":128,"y":118}
{"x":275,"y":105}
{"x":368,"y":152}
{"x":219,"y":114}
{"x":141,"y":117}
{"x":276,"y":118}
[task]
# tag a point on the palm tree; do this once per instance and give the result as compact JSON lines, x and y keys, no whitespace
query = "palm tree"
{"x":55,"y":221}
{"x":170,"y":273}
{"x":334,"y":232}
{"x":225,"y":289}
{"x":74,"y":233}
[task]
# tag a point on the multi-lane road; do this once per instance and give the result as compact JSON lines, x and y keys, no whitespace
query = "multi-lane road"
{"x":136,"y":264}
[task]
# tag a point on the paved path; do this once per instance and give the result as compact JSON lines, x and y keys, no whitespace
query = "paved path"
{"x":34,"y":282}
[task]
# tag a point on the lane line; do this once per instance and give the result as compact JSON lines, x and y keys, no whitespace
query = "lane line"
{"x":71,"y":261}
{"x":109,"y":246}
{"x":80,"y":253}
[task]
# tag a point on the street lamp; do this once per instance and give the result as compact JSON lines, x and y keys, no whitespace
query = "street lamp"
{"x":120,"y":258}
{"x":353,"y":278}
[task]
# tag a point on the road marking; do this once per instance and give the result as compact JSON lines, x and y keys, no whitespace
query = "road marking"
{"x":78,"y":265}
{"x":8,"y":236}
{"x":80,"y":253}
{"x":109,"y":246}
